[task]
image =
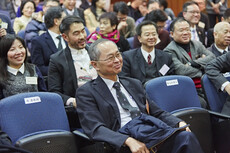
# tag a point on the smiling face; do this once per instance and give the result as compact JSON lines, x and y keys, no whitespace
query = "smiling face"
{"x":28,"y":9}
{"x":16,"y":54}
{"x":148,"y":37}
{"x":181,"y":33}
{"x":222,"y":34}
{"x":108,"y":68}
{"x":192,"y":15}
{"x":70,"y":4}
{"x":76,"y":36}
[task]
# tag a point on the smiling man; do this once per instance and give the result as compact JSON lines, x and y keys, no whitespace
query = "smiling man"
{"x":70,"y":68}
{"x":146,"y":62}
{"x":189,"y":56}
{"x":109,"y":102}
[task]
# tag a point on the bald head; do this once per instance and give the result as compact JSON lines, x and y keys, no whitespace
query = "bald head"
{"x":222,"y":34}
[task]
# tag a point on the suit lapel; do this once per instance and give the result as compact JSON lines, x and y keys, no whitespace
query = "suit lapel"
{"x":50,"y":43}
{"x":71,"y":67}
{"x":141,"y":61}
{"x":159,"y":60}
{"x":102,"y":89}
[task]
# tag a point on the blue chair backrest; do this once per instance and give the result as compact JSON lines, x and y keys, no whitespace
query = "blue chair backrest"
{"x":172,"y":93}
{"x":33,"y":112}
{"x":214,"y":97}
{"x":130,"y":40}
{"x":21,"y":34}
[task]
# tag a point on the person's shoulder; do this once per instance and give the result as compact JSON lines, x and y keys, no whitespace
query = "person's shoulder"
{"x":131,"y":52}
{"x":58,"y":55}
{"x":133,"y":81}
{"x":162,"y":53}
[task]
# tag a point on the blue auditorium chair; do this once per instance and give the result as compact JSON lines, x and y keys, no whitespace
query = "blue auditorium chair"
{"x":130,"y":40}
{"x":37,"y":122}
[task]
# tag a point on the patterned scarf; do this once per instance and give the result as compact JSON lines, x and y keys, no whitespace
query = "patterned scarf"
{"x":113,"y":36}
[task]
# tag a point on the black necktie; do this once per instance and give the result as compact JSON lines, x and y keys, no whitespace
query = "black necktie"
{"x":59,"y":43}
{"x":134,"y":111}
{"x":224,"y":52}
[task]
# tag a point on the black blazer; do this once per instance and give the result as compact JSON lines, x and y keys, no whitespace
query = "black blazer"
{"x":99,"y":114}
{"x":42,"y":48}
{"x":62,"y":77}
{"x":214,"y":50}
{"x":134,"y":64}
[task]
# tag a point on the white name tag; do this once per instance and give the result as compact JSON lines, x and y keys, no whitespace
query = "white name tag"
{"x":31,"y":80}
{"x":4,"y":25}
{"x":227,"y":74}
{"x":32,"y":100}
{"x":172,"y":82}
{"x":164,"y":69}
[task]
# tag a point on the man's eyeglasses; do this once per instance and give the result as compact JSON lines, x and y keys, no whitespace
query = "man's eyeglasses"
{"x":112,"y":57}
{"x":194,"y":12}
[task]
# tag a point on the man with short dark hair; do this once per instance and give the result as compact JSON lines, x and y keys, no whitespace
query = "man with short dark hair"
{"x":126,"y":25}
{"x":43,"y":46}
{"x":147,"y":62}
{"x":189,"y":56}
{"x":109,"y":102}
{"x":191,"y":13}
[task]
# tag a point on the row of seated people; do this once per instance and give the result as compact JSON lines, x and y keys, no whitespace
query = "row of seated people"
{"x":72,"y":23}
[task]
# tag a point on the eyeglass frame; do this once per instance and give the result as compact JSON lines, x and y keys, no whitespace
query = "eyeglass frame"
{"x":112,"y":58}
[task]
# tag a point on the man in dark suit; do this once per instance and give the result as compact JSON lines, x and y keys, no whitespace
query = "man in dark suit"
{"x":222,"y":39}
{"x":136,"y":61}
{"x":214,"y":71}
{"x":101,"y":112}
{"x":191,"y":13}
{"x":46,"y":44}
{"x":69,"y":8}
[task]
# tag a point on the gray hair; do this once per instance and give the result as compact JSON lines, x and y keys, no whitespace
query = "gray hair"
{"x":94,"y":52}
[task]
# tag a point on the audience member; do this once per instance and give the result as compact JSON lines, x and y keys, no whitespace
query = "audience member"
{"x":221,"y":39}
{"x":5,"y":25}
{"x":100,"y":108}
{"x":134,"y":11}
{"x":215,"y":10}
{"x":10,"y":6}
{"x":152,"y":5}
{"x":214,"y":71}
{"x":50,"y":42}
{"x":168,"y":11}
{"x":70,"y":68}
{"x":37,"y":9}
{"x":160,"y":18}
{"x":204,"y":21}
{"x":16,"y":75}
{"x":191,"y":13}
{"x":69,"y":7}
{"x":37,"y":26}
{"x":27,"y":9}
{"x":147,"y":61}
{"x":210,"y":37}
{"x":189,"y":56}
{"x":93,"y":13}
{"x":126,"y":25}
{"x":108,"y":30}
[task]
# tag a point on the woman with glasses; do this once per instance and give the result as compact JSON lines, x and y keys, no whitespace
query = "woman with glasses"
{"x":108,"y":30}
{"x":16,"y":75}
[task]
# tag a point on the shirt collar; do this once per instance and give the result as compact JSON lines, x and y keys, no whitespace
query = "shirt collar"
{"x":221,"y":50}
{"x":77,"y":51}
{"x":109,"y":82}
{"x":53,"y":34}
{"x":15,"y":71}
{"x":146,"y":54}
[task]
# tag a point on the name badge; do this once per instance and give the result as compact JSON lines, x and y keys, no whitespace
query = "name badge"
{"x":31,"y":80}
{"x":4,"y":25}
{"x":164,"y":69}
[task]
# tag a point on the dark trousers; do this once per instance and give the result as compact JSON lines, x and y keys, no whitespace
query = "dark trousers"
{"x":212,"y":19}
{"x":181,"y":142}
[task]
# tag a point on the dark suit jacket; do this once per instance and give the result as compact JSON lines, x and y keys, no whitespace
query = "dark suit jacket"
{"x":42,"y":48}
{"x":77,"y":12}
{"x":62,"y":77}
{"x":134,"y":64}
{"x":216,"y":67}
{"x":214,"y":50}
{"x":201,"y":34}
{"x":99,"y":114}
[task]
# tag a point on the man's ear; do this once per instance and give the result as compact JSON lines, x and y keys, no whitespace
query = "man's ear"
{"x":171,"y":34}
{"x":65,"y":37}
{"x":94,"y":64}
{"x":139,"y":38}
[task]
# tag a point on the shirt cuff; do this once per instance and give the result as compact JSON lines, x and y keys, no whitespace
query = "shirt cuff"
{"x":70,"y":101}
{"x":224,"y":85}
